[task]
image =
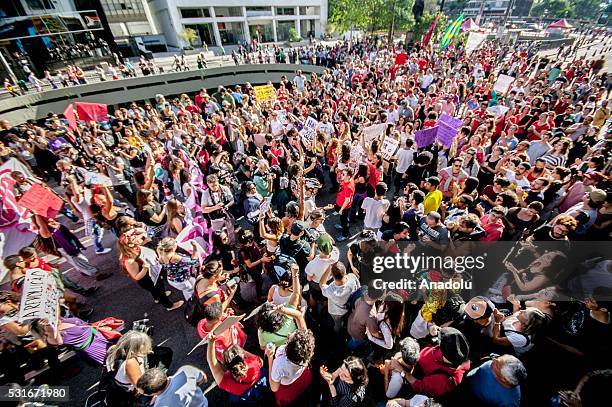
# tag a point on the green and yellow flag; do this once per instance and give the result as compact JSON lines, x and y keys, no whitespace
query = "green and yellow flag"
{"x":451,"y":32}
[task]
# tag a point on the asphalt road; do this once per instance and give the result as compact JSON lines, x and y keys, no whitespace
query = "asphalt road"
{"x":120,"y":297}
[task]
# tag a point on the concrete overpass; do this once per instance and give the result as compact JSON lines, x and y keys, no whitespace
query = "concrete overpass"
{"x":112,"y":93}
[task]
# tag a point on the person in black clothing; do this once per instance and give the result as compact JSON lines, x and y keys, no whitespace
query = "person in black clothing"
{"x":294,"y":246}
{"x":418,"y":170}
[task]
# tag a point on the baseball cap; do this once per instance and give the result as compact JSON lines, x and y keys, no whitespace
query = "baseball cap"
{"x":454,"y":346}
{"x":478,"y":308}
{"x":297,"y":227}
{"x":325,"y":243}
{"x":597,"y":195}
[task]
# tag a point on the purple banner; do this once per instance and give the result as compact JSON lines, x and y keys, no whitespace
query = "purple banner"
{"x":425,"y":137}
{"x":446,"y":134}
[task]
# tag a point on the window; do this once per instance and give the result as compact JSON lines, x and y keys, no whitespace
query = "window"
{"x":285,"y":11}
{"x":228,"y":11}
{"x":195,"y":12}
{"x":39,"y":4}
{"x":231,"y":33}
{"x":282,"y":29}
{"x":205,"y":33}
{"x":262,"y":31}
{"x":307,"y":28}
{"x":309,"y":11}
{"x":258,"y":11}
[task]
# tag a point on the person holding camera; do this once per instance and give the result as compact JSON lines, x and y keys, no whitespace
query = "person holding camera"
{"x":216,"y":200}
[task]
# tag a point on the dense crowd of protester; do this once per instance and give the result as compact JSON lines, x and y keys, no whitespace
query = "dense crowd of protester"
{"x":224,"y":199}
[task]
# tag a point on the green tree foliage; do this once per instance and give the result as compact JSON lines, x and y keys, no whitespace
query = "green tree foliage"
{"x":189,"y":35}
{"x":588,"y":8}
{"x":370,"y":15}
{"x":421,"y":28}
{"x":553,"y":8}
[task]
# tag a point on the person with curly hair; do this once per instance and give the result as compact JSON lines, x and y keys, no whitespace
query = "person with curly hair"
{"x":290,"y":375}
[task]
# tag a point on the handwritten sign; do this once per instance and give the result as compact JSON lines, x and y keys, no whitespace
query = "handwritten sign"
{"x":503,"y":83}
{"x":425,"y":137}
{"x":309,"y":131}
{"x":95,"y":178}
{"x":282,"y":116}
{"x":41,"y":201}
{"x":264,"y":206}
{"x":264,"y":93}
{"x":40,"y":298}
{"x":389,"y":147}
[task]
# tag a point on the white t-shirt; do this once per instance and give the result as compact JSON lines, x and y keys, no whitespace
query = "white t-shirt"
{"x":277,"y":128}
{"x":338,"y":295}
{"x":374,"y":212}
{"x":183,"y":389}
{"x":299,"y":82}
{"x":523,"y":183}
{"x":317,"y":266}
{"x":404,"y":160}
{"x":520,"y":342}
{"x":284,"y":371}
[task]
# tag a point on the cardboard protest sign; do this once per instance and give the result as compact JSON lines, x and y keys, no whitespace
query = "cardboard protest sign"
{"x":451,"y":121}
{"x":389,"y":147}
{"x":498,"y":110}
{"x":503,"y":83}
{"x":264,"y":206}
{"x":264,"y":93}
{"x":40,"y":298}
{"x":226,"y":324}
{"x":150,"y":257}
{"x":474,"y":41}
{"x":371,"y":133}
{"x":41,"y":201}
{"x":309,"y":131}
{"x":95,"y":178}
{"x":425,"y":137}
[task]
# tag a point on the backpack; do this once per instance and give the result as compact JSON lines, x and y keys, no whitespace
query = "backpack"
{"x":352,"y":299}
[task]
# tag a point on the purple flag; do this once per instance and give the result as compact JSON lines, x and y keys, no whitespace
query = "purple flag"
{"x":451,"y":121}
{"x":425,"y":137}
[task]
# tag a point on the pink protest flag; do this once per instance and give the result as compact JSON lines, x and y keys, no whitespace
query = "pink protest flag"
{"x":70,"y":117}
{"x":92,"y":111}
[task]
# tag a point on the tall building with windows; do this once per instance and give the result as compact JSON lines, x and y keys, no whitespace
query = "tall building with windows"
{"x":497,"y":8}
{"x":230,"y":22}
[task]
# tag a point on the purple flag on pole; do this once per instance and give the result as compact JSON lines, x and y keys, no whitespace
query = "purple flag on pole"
{"x":425,"y":137}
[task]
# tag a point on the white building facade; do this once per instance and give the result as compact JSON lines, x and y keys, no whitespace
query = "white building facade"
{"x":222,"y":23}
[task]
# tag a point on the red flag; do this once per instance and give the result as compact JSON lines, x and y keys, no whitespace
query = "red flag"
{"x":429,"y":33}
{"x":69,"y":115}
{"x":92,"y":111}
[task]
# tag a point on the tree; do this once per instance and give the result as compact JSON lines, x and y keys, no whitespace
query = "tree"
{"x":419,"y":29}
{"x":588,"y":8}
{"x":553,"y":8}
{"x":189,"y":35}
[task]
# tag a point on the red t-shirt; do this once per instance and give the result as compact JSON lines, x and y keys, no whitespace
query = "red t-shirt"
{"x":254,"y":364}
{"x":347,"y":189}
{"x":232,"y":336}
{"x":374,"y":177}
{"x":540,"y":128}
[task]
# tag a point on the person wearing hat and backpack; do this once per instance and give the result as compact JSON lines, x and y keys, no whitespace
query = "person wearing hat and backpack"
{"x":440,"y":368}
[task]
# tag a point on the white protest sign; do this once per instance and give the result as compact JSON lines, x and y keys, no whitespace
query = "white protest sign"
{"x":503,"y":84}
{"x":282,"y":116}
{"x":226,"y":324}
{"x":309,"y":131}
{"x":474,"y":41}
{"x":498,"y":110}
{"x":40,"y":298}
{"x":373,"y":132}
{"x":95,"y":178}
{"x":150,"y":257}
{"x":389,"y":147}
{"x":264,"y":206}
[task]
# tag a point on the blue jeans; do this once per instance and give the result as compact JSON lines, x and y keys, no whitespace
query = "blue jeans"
{"x":355,"y":343}
{"x":97,"y":233}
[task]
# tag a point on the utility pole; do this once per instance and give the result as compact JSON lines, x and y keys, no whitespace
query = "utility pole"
{"x":482,"y":3}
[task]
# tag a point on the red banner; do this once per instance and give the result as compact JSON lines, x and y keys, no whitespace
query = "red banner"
{"x":70,"y":116}
{"x":400,"y":59}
